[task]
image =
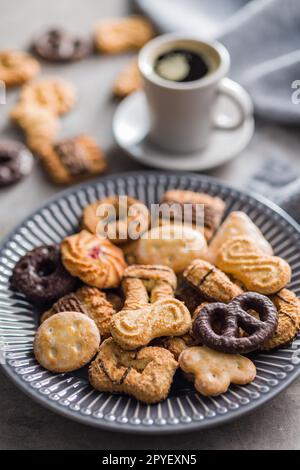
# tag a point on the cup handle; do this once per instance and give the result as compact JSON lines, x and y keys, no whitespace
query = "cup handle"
{"x":241,"y":100}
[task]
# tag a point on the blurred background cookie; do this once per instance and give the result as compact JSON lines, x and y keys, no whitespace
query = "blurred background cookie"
{"x":17,"y":67}
{"x":128,"y":81}
{"x":72,"y":160}
{"x":115,"y":35}
{"x":16,"y":161}
{"x":59,"y":45}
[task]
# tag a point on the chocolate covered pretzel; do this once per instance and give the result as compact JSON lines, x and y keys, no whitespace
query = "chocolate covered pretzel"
{"x":218,"y":325}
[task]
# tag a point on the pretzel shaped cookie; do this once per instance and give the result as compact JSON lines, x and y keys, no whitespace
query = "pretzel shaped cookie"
{"x":218,"y":325}
{"x":213,"y":371}
{"x":258,"y":272}
{"x":211,"y":283}
{"x":150,"y":309}
{"x":146,"y":374}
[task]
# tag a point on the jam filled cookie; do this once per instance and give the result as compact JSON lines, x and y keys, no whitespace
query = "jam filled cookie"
{"x":55,"y":94}
{"x":89,"y":301}
{"x":16,"y":161}
{"x":96,"y":261}
{"x":128,"y":81}
{"x":66,"y":342}
{"x":122,"y":34}
{"x":146,"y":374}
{"x":119,"y":218}
{"x":58,"y":45}
{"x":17,"y":67}
{"x":237,"y":224}
{"x":213,"y":371}
{"x":211,"y":283}
{"x":257,"y":271}
{"x":206,"y":219}
{"x":173,"y":245}
{"x":73,"y":160}
{"x":41,"y":277}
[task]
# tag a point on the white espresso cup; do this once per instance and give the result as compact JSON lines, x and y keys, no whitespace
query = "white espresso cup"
{"x":183,"y":114}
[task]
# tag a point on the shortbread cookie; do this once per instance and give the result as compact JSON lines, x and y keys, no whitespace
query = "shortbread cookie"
{"x":218,"y":325}
{"x":137,"y":327}
{"x":16,"y":162}
{"x":211,"y":283}
{"x":146,"y":374}
{"x":73,"y":160}
{"x":55,"y":94}
{"x":213,"y":371}
{"x":288,"y":307}
{"x":258,"y":272}
{"x":115,"y":35}
{"x":39,"y":125}
{"x":89,"y":301}
{"x":17,"y":67}
{"x":66,"y":342}
{"x":41,"y":277}
{"x":120,"y":218}
{"x":96,"y":261}
{"x":150,"y":310}
{"x":59,"y":45}
{"x":206,"y":211}
{"x":128,"y":81}
{"x":237,"y":224}
{"x":173,"y":245}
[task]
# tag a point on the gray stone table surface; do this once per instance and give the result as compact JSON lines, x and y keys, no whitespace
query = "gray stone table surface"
{"x":25,"y":424}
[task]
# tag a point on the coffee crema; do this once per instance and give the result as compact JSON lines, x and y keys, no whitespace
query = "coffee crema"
{"x":181,"y":65}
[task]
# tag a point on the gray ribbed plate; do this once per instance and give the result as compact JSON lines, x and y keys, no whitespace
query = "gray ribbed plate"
{"x":70,"y":394}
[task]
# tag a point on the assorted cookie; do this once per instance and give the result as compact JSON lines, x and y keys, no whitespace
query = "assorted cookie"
{"x":116,"y":35}
{"x":17,"y":68}
{"x":94,"y":260}
{"x":128,"y":81}
{"x":16,"y":162}
{"x":137,"y":324}
{"x":72,"y":160}
{"x":59,"y":45}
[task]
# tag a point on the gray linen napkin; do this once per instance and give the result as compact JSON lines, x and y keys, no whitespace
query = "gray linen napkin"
{"x":263,"y":38}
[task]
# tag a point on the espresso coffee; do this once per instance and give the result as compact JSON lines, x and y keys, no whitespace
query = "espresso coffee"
{"x":181,"y":65}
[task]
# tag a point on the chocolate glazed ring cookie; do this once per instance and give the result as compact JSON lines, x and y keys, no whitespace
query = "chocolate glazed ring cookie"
{"x":58,"y":45}
{"x":218,"y":325}
{"x":41,"y":277}
{"x":15,"y":162}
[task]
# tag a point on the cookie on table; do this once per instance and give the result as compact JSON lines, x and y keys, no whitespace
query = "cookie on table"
{"x":41,"y":276}
{"x":16,"y":162}
{"x":66,"y":341}
{"x":114,"y":35}
{"x":213,"y":209}
{"x":146,"y":374}
{"x":95,"y":260}
{"x":39,"y":125}
{"x":128,"y":81}
{"x":55,"y":94}
{"x":89,"y":301}
{"x":73,"y":159}
{"x":59,"y":45}
{"x":17,"y":67}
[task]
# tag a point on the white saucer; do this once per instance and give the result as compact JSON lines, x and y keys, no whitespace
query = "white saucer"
{"x":131,"y":129}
